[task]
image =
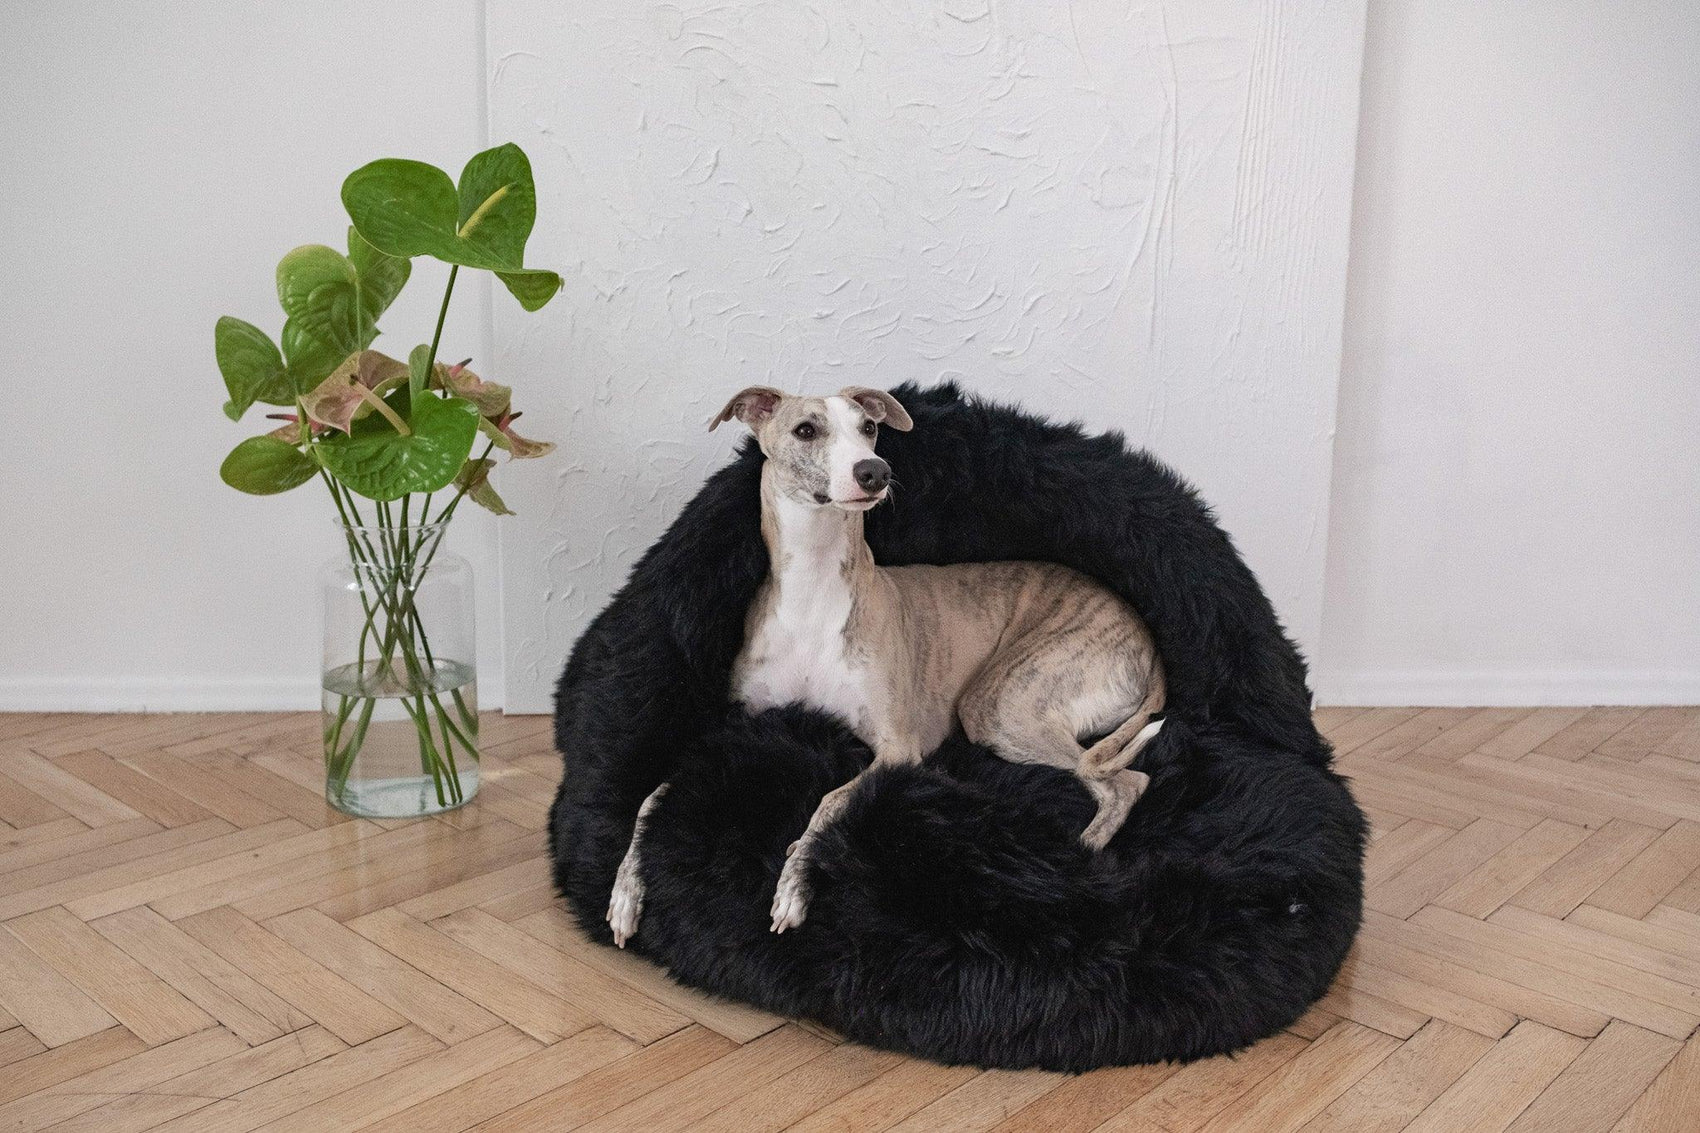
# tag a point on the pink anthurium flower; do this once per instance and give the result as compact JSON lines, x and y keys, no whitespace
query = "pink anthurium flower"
{"x":457,"y":381}
{"x":356,"y":388}
{"x":292,"y":431}
{"x":501,"y":433}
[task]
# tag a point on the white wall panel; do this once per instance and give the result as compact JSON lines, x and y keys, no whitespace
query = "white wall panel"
{"x":1517,"y":491}
{"x":1133,"y":214}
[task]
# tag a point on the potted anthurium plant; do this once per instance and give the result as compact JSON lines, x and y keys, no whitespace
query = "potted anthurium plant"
{"x":393,"y":442}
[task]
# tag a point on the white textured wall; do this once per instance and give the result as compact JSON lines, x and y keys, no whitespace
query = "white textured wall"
{"x":1130,"y":213}
{"x":1517,"y":488}
{"x":158,"y":160}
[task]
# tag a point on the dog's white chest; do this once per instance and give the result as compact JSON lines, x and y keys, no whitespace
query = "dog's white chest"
{"x":797,"y":654}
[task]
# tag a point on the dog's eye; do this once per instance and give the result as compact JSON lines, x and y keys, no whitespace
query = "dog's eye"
{"x":804,"y":432}
{"x":869,"y":428}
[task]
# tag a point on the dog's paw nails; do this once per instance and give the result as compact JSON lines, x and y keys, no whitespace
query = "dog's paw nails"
{"x":791,"y":850}
{"x":790,"y":901}
{"x":625,"y":906}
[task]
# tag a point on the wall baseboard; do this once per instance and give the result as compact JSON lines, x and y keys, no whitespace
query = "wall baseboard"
{"x":181,"y":694}
{"x":164,"y":694}
{"x":1452,"y":688}
{"x":1385,"y":687}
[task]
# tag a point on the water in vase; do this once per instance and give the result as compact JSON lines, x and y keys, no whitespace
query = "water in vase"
{"x":397,"y":743}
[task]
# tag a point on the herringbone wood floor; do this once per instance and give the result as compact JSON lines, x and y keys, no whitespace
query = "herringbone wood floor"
{"x":191,"y":939}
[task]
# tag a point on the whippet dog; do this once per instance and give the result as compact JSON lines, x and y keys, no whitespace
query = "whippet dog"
{"x":1030,"y":657}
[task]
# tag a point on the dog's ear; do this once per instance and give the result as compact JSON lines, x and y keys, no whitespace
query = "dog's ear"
{"x":749,"y":406}
{"x":880,"y":406}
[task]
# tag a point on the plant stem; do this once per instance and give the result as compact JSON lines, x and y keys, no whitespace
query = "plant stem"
{"x":437,"y":336}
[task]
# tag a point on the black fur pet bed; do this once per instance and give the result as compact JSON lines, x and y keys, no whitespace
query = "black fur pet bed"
{"x":955,"y":914}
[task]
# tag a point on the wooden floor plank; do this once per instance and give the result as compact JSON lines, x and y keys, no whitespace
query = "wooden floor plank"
{"x":584,"y":1098}
{"x":510,"y":1086}
{"x":277,"y":1098}
{"x":514,"y":998}
{"x":1530,"y":953}
{"x":1479,"y":727}
{"x":16,"y":1044}
{"x":408,"y":1085}
{"x":429,"y":1004}
{"x":188,"y":845}
{"x":790,"y":1097}
{"x":679,"y":1104}
{"x":1445,"y":865}
{"x":1193,"y":1096}
{"x":615,"y":1003}
{"x":1390,"y":1096}
{"x":152,"y":1009}
{"x":147,"y":797}
{"x":1593,"y":728}
{"x":1466,"y":969}
{"x":1088,"y":1100}
{"x":237,"y":1000}
{"x":325,"y":997}
{"x":1651,"y":874}
{"x":197,"y":1089}
{"x":1530,"y":732}
{"x":1503,"y":875}
{"x":82,"y":801}
{"x":1567,"y":882}
{"x":1309,"y":1083}
{"x":1492,"y":1093}
{"x":1602,"y":1083}
{"x":734,"y":1020}
{"x":1672,"y":1102}
{"x":139,"y":1073}
{"x":1647,"y":733}
{"x":55,"y":1010}
{"x":68,"y":1062}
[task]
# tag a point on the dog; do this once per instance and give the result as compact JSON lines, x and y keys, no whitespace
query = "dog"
{"x":1029,"y":657}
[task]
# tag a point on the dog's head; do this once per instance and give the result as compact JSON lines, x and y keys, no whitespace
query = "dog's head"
{"x":821,"y":449}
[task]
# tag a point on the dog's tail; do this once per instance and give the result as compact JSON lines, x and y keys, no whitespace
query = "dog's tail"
{"x":1116,"y":751}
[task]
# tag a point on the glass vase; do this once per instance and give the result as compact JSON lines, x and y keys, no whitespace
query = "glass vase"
{"x":399,"y":680}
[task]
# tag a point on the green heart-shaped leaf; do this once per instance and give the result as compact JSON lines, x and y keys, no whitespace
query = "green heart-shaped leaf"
{"x":382,"y":464}
{"x":333,"y":302}
{"x":379,"y":275}
{"x":253,"y":369}
{"x":265,"y":466}
{"x":498,"y":203}
{"x":418,"y":367}
{"x":533,"y":288}
{"x":410,"y":208}
{"x":316,"y":286}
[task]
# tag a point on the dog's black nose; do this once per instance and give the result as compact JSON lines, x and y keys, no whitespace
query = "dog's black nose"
{"x":872,"y":475}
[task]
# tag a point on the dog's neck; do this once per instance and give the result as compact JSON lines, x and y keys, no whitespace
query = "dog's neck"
{"x":811,"y":547}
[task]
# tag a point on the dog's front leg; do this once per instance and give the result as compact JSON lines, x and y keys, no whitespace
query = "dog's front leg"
{"x":791,"y":898}
{"x":625,"y":903}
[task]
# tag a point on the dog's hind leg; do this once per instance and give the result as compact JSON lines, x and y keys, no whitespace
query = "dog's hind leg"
{"x":1023,"y":733}
{"x":1121,"y":747}
{"x":625,"y":903}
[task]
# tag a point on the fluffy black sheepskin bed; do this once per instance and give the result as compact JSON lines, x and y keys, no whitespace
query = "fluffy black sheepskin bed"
{"x":956,"y":915}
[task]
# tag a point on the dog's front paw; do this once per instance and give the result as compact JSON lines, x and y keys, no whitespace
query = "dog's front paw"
{"x":791,"y":898}
{"x":625,"y":906}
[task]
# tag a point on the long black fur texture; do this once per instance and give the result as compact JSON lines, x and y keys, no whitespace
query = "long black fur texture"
{"x":955,"y":914}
